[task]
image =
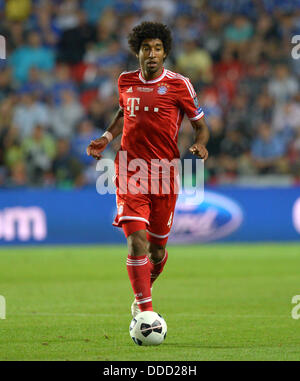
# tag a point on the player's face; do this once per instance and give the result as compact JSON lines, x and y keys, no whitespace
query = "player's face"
{"x":151,"y":55}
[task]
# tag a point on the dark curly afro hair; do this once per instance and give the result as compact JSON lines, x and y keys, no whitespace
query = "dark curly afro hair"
{"x":151,"y":30}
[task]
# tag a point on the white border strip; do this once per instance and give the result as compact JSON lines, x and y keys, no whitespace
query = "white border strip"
{"x":158,"y":236}
{"x":142,"y":301}
{"x":154,"y":80}
{"x":197,"y":117}
{"x":133,"y":218}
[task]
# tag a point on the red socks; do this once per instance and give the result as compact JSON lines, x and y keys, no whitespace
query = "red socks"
{"x":138,"y":268}
{"x":157,"y":268}
{"x":142,"y":273}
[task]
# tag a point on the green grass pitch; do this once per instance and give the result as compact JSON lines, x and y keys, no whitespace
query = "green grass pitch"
{"x":221,"y":302}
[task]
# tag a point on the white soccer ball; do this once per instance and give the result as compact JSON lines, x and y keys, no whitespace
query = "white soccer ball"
{"x":148,"y":328}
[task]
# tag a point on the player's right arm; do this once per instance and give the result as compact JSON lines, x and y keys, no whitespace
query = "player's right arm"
{"x":96,"y":146}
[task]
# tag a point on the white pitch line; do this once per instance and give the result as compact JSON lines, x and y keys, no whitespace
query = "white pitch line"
{"x":170,"y":314}
{"x":61,"y":314}
{"x":234,"y":315}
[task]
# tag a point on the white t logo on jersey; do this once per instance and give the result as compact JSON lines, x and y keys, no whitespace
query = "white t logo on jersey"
{"x":131,"y":105}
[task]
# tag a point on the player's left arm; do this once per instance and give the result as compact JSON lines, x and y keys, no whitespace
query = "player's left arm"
{"x":188,"y":102}
{"x":201,"y":139}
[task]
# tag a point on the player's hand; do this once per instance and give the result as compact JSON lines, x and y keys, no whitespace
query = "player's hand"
{"x":199,"y":150}
{"x":96,"y":146}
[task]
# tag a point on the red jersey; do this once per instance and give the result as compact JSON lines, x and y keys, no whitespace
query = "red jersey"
{"x":153,"y":112}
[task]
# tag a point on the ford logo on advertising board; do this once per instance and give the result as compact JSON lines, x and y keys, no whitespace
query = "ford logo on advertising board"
{"x":216,"y":217}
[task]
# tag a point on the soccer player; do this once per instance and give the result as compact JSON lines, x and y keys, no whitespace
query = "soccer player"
{"x":153,"y":101}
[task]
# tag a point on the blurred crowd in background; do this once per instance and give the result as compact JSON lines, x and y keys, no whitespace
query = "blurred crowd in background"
{"x":58,"y":85}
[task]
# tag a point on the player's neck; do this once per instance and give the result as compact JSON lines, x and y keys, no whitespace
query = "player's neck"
{"x":150,"y":76}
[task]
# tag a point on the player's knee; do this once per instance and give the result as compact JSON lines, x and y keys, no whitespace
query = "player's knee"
{"x":137,"y":243}
{"x":157,"y":252}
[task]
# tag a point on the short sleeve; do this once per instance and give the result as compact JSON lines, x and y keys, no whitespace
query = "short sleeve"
{"x":121,"y":104}
{"x":188,"y":101}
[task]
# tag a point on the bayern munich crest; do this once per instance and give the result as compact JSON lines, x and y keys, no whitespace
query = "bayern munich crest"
{"x":162,"y":89}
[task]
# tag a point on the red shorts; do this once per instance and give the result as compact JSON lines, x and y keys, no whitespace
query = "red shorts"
{"x":155,"y":210}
